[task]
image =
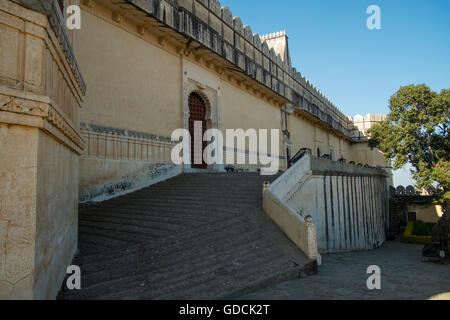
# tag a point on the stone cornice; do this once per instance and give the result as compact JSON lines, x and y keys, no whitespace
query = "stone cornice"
{"x":53,"y":119}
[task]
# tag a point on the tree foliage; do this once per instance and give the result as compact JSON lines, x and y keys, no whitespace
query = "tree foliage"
{"x":417,"y":132}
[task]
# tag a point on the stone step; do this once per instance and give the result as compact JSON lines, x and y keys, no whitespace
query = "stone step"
{"x":200,"y":212}
{"x":181,"y":242}
{"x":162,"y":222}
{"x":180,"y":216}
{"x":195,"y":203}
{"x":165,"y":266}
{"x":211,"y":286}
{"x":111,"y":238}
{"x":159,"y":280}
{"x":152,"y":229}
{"x":196,"y":236}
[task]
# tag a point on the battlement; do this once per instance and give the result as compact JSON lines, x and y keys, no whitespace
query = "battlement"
{"x":362,"y":124}
{"x":273,"y":35}
{"x":262,"y":58}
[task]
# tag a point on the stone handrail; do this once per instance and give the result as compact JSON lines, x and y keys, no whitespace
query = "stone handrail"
{"x":329,"y":206}
{"x":301,"y":230}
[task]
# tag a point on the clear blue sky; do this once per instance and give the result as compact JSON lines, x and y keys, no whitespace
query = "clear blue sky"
{"x":357,"y":68}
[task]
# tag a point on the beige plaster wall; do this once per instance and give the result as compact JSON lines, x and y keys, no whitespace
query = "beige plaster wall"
{"x":302,"y":134}
{"x":137,"y":82}
{"x":56,"y":215}
{"x":305,"y":134}
{"x":145,"y":88}
{"x":40,"y":96}
{"x":132,"y":83}
{"x":426,"y":212}
{"x":38,"y":213}
{"x":241,"y":110}
{"x":18,"y":192}
{"x":362,"y":153}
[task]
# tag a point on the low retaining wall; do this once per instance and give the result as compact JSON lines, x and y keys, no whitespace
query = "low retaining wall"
{"x":346,"y":205}
{"x":301,"y":231}
{"x":103,"y":179}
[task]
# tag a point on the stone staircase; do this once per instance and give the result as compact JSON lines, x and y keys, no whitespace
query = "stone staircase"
{"x":196,"y":236}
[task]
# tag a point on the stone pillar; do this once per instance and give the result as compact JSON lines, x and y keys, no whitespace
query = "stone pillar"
{"x":40,"y":98}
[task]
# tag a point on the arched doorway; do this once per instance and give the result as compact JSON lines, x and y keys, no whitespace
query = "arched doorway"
{"x":197,"y":112}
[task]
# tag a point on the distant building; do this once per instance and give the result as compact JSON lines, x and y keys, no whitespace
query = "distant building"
{"x":365,"y":123}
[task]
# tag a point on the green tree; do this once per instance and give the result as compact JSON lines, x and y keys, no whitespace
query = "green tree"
{"x":417,"y":132}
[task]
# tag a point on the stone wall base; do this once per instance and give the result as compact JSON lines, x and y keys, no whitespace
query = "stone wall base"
{"x":103,"y":179}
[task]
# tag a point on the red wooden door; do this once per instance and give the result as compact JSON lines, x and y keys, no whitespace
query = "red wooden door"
{"x":197,"y":112}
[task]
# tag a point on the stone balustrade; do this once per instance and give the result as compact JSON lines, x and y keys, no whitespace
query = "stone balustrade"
{"x":348,"y":205}
{"x":301,"y":230}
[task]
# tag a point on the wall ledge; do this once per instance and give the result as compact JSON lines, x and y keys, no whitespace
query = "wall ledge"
{"x":21,"y":108}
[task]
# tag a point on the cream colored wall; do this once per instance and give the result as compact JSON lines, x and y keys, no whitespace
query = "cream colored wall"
{"x":40,"y":96}
{"x":426,"y":212}
{"x":302,"y":134}
{"x":321,"y":142}
{"x":242,"y":110}
{"x":56,"y":215}
{"x":38,"y":213}
{"x":345,"y":149}
{"x":133,"y":84}
{"x":18,"y":173}
{"x":136,"y":83}
{"x":362,"y":153}
{"x":305,"y":134}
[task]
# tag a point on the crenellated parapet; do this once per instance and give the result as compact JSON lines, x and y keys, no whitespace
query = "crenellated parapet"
{"x":279,"y":42}
{"x":362,"y":124}
{"x":273,"y":35}
{"x":214,"y":27}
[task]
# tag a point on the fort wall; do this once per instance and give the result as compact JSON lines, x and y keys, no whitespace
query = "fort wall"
{"x":141,"y":60}
{"x":41,"y":94}
{"x":140,"y":78}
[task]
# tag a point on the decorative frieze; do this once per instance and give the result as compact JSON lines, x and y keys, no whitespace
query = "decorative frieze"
{"x":35,"y":106}
{"x":19,"y":105}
